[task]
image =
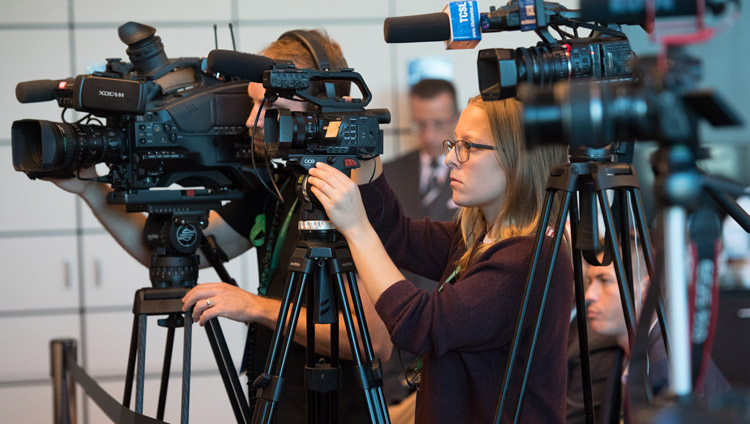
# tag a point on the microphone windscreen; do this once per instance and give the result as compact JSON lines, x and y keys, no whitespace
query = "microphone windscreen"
{"x":417,"y":28}
{"x":240,"y":65}
{"x":36,"y":91}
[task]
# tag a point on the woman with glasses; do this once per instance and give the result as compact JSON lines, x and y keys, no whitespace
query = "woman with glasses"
{"x":464,"y":329}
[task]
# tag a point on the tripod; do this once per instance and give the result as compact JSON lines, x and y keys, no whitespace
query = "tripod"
{"x":590,"y":173}
{"x":174,"y":238}
{"x":322,"y":254}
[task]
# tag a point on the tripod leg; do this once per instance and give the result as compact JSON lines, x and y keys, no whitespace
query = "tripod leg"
{"x":165,"y":372}
{"x":141,"y":363}
{"x":559,"y":231}
{"x":372,"y":390}
{"x":649,"y":256}
{"x":364,"y":334}
{"x":226,"y":369}
{"x":538,"y":242}
{"x":186,"y":356}
{"x":627,"y":260}
{"x":625,"y":298}
{"x":271,"y":379}
{"x":131,"y":361}
{"x":583,"y":342}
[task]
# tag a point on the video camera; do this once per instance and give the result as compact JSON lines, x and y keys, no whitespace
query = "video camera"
{"x":336,"y":128}
{"x":662,"y":103}
{"x":167,"y":122}
{"x":338,"y":131}
{"x":604,"y":54}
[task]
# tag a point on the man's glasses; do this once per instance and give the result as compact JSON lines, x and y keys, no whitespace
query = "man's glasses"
{"x":436,"y":125}
{"x":463,"y":148}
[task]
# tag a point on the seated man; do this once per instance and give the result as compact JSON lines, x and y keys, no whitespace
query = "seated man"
{"x":605,"y":317}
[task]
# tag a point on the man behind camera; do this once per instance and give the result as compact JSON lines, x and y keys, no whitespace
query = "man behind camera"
{"x":258,"y":220}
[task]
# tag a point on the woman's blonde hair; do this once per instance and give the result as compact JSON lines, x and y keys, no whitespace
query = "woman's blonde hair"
{"x":526,"y":172}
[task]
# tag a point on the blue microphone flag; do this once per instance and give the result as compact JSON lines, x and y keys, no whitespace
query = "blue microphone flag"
{"x":465,"y":28}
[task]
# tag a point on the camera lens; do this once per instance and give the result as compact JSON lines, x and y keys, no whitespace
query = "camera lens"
{"x":583,"y":113}
{"x":501,"y":70}
{"x":54,"y":149}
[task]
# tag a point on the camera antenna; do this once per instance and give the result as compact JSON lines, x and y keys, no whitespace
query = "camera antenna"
{"x":231,"y":32}
{"x":216,"y":38}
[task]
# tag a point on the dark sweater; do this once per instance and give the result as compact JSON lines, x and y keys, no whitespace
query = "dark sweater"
{"x":465,"y":331}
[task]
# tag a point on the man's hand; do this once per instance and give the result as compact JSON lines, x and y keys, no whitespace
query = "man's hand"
{"x":225,"y":300}
{"x":75,"y":185}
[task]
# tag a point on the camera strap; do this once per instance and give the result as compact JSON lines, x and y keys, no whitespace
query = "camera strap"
{"x":275,"y":242}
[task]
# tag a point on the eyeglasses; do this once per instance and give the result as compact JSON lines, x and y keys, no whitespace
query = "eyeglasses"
{"x":463,"y":148}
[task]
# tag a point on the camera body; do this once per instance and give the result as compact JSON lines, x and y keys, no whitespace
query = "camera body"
{"x":336,"y":130}
{"x":167,"y":122}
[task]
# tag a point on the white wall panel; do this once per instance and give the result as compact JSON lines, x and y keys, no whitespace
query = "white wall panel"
{"x":26,"y":344}
{"x":27,"y":204}
{"x":39,"y":273}
{"x":35,"y":11}
{"x":312,"y":10}
{"x":93,"y":11}
{"x":33,"y":54}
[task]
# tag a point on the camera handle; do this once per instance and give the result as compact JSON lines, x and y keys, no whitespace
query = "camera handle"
{"x":584,"y":177}
{"x":173,"y":271}
{"x":323,"y":254}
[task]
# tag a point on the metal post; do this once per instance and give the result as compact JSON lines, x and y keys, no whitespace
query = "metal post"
{"x":675,"y":219}
{"x":63,"y":385}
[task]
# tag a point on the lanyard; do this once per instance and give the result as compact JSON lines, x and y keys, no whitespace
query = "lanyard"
{"x":282,"y":235}
{"x":453,"y":275}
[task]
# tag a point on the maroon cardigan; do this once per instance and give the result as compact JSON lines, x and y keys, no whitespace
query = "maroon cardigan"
{"x":465,"y":331}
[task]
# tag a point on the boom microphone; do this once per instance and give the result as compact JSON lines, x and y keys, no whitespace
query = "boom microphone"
{"x":457,"y":25}
{"x":39,"y":90}
{"x":417,"y":28}
{"x":240,"y":65}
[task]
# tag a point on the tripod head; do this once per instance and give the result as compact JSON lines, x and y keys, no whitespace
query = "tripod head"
{"x":173,"y":229}
{"x":314,"y":224}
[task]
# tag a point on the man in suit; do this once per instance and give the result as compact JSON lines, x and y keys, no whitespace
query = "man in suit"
{"x":420,"y":178}
{"x":421,"y":182}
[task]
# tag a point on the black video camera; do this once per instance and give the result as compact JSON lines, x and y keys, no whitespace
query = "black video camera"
{"x":604,"y":54}
{"x":661,"y":103}
{"x":167,"y":122}
{"x":337,"y":131}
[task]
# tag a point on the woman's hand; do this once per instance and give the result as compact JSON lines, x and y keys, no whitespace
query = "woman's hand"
{"x":224,"y":300}
{"x":340,"y":197}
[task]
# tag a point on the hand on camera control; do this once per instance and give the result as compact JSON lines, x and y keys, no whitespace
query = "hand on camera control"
{"x":340,"y":197}
{"x":78,"y":185}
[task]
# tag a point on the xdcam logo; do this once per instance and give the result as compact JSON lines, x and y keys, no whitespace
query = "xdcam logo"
{"x":187,"y":235}
{"x":308,"y":162}
{"x":105,"y":93}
